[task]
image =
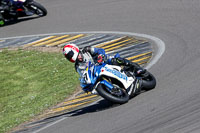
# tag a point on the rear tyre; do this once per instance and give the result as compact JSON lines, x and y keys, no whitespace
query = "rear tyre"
{"x":148,"y":82}
{"x":120,"y":96}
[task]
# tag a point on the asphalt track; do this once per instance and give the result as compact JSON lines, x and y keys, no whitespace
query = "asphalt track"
{"x":174,"y":105}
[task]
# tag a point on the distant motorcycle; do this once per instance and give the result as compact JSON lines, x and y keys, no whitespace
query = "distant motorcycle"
{"x":29,"y":8}
{"x":114,"y":83}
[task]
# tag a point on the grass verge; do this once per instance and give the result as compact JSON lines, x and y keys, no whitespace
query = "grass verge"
{"x":30,"y":82}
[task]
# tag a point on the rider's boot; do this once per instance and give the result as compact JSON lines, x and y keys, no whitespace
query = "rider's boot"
{"x":134,"y":67}
{"x":2,"y":21}
{"x":137,"y":89}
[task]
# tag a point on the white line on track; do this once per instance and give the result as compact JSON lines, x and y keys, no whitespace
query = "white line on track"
{"x":45,"y":127}
{"x":49,"y":125}
{"x":160,"y":45}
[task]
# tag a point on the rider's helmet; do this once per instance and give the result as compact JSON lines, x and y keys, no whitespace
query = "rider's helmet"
{"x":71,"y":52}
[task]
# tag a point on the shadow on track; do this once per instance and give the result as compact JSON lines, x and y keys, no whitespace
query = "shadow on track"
{"x":96,"y":107}
{"x":12,"y":22}
{"x":99,"y":106}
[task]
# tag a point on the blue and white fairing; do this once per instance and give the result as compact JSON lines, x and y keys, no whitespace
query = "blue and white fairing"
{"x":115,"y":72}
{"x":89,"y":78}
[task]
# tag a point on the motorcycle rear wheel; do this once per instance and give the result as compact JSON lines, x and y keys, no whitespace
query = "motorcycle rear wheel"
{"x":148,"y":82}
{"x":103,"y":91}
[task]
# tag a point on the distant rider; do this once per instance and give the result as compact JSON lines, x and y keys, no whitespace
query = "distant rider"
{"x":12,"y":5}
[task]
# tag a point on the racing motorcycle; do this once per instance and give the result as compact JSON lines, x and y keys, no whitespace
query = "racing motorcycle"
{"x":29,"y":8}
{"x":115,"y":83}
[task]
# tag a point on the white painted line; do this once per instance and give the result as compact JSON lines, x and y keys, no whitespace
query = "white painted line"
{"x":61,"y":119}
{"x":49,"y":125}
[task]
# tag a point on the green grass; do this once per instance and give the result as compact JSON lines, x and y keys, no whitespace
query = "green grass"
{"x":31,"y":81}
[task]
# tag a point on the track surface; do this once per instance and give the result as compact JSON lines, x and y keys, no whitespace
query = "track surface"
{"x":174,"y":106}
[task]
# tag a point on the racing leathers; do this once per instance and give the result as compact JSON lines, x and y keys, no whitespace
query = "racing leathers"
{"x":12,"y":5}
{"x":98,"y":55}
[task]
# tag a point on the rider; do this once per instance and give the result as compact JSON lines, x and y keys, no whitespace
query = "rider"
{"x":12,"y":5}
{"x":2,"y":6}
{"x":81,"y":57}
{"x":15,"y":3}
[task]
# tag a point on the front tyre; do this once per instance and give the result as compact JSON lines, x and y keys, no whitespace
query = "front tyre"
{"x":37,"y":8}
{"x":118,"y":95}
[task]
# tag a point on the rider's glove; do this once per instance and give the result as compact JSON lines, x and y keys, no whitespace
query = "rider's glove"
{"x":117,"y":61}
{"x":86,"y":49}
{"x":100,"y":58}
{"x":141,"y":71}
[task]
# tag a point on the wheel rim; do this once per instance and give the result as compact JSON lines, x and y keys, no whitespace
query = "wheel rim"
{"x":36,"y":10}
{"x":39,"y":12}
{"x":117,"y":91}
{"x":118,"y":96}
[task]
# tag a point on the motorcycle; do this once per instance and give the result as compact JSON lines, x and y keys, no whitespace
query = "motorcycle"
{"x":28,"y":8}
{"x":114,"y":83}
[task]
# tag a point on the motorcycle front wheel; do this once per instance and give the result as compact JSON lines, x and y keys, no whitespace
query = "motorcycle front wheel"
{"x":37,"y":9}
{"x":116,"y":95}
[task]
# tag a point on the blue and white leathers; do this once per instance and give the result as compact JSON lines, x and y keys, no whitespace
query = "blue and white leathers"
{"x":101,"y":51}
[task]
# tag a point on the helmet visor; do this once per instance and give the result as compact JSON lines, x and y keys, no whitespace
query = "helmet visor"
{"x":69,"y":55}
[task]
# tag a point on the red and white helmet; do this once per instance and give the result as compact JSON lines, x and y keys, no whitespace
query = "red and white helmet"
{"x":70,"y":52}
